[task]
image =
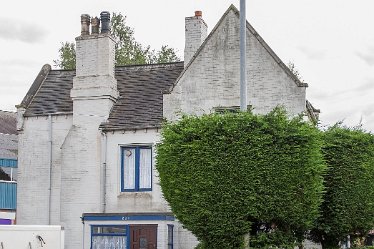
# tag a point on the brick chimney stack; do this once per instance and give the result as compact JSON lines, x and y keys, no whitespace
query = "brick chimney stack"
{"x":94,"y":82}
{"x":196,"y":32}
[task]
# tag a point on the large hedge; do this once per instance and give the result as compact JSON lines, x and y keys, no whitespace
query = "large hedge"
{"x":225,"y":175}
{"x":348,"y":207}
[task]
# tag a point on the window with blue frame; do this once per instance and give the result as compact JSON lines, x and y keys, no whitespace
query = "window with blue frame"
{"x":170,"y":236}
{"x":136,"y":168}
{"x":109,"y":236}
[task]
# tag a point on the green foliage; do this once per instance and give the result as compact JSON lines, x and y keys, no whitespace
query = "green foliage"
{"x":348,"y":207}
{"x":295,"y":71}
{"x":224,"y":174}
{"x":66,"y":56}
{"x":128,"y":50}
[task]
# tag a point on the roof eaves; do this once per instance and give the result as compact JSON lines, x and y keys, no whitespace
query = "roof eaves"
{"x":48,"y":114}
{"x":40,"y":78}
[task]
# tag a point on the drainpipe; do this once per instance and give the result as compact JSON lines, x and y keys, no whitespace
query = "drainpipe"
{"x":50,"y":168}
{"x":243,"y":73}
{"x":104,"y":144}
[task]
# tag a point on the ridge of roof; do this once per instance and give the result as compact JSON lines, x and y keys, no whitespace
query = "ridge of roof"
{"x":255,"y":34}
{"x":164,"y":64}
{"x":42,"y":75}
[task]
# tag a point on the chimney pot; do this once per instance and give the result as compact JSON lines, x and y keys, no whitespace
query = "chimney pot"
{"x":95,"y":25}
{"x":85,"y":24}
{"x":105,"y":22}
{"x":198,"y":13}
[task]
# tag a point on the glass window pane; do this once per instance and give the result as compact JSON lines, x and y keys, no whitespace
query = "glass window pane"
{"x":170,"y":236}
{"x":129,"y":168}
{"x":145,"y":168}
{"x":108,"y":229}
{"x":109,"y":242}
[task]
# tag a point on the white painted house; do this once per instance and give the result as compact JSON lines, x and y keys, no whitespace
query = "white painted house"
{"x":87,"y":136}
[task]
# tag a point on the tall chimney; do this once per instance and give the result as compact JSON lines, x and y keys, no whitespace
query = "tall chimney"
{"x":85,"y":24}
{"x":94,"y":83}
{"x":105,"y":22}
{"x":196,"y":32}
{"x":95,"y":25}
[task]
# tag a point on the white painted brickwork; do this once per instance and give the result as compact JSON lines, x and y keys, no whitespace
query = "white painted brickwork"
{"x":33,"y":171}
{"x":212,"y":79}
{"x":195,"y":33}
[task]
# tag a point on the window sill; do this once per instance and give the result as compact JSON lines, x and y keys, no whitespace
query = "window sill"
{"x":140,"y":194}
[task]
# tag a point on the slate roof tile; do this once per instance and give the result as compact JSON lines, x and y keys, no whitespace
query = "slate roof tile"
{"x":8,"y":122}
{"x":140,"y":87}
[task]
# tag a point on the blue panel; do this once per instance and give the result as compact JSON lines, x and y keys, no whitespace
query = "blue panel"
{"x":11,"y":163}
{"x":130,"y":217}
{"x":8,"y":195}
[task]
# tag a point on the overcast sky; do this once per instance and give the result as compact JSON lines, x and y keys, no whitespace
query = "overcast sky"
{"x":331,"y":42}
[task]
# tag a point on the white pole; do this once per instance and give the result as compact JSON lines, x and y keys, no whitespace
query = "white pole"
{"x":243,"y":75}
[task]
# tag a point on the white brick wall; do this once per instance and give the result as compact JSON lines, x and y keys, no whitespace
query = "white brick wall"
{"x":195,"y":33}
{"x":33,"y":171}
{"x":213,"y":78}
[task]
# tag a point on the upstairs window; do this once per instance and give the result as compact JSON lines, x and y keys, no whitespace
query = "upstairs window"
{"x":136,"y":168}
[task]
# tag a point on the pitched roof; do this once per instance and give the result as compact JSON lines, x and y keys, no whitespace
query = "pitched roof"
{"x":8,"y":135}
{"x":8,"y":122}
{"x":139,"y":104}
{"x":8,"y":146}
{"x":141,"y":95}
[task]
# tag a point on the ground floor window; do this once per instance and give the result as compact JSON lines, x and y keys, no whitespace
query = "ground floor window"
{"x":125,"y":236}
{"x":109,"y":237}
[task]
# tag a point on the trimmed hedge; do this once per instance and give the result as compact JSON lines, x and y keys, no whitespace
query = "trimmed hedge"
{"x":224,"y":173}
{"x":348,"y":207}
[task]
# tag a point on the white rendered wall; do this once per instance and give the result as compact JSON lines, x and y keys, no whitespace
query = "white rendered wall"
{"x":213,"y":79}
{"x":33,"y":169}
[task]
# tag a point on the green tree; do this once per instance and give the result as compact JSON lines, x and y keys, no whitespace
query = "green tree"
{"x":66,"y":56}
{"x":348,"y":206}
{"x":128,"y":50}
{"x":230,"y":174}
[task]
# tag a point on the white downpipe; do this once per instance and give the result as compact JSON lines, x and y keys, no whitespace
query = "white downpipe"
{"x":104,"y":144}
{"x":243,"y":73}
{"x":50,"y":168}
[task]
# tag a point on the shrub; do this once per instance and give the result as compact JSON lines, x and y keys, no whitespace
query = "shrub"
{"x":223,"y":174}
